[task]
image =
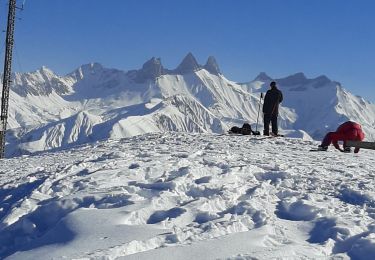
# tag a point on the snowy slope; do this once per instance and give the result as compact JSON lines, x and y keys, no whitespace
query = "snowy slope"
{"x":176,"y":113}
{"x":188,"y":196}
{"x":47,"y":110}
{"x":36,"y":98}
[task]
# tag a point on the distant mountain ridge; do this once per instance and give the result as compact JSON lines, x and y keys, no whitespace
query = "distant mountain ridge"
{"x":48,"y":111}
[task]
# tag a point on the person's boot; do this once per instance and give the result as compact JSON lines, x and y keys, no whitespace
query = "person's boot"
{"x":322,"y":148}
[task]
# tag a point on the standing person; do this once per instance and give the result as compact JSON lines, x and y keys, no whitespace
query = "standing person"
{"x":348,"y":131}
{"x":271,"y":108}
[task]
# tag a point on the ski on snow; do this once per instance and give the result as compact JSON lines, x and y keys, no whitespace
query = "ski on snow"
{"x":317,"y":150}
{"x":364,"y":145}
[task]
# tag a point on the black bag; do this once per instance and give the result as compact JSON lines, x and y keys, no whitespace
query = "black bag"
{"x":235,"y":130}
{"x":246,"y":129}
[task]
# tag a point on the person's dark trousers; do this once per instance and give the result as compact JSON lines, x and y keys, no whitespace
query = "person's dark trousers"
{"x":268,"y":118}
{"x":327,"y":140}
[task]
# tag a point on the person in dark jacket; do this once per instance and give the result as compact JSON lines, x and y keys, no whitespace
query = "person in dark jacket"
{"x":348,"y":131}
{"x":271,"y":108}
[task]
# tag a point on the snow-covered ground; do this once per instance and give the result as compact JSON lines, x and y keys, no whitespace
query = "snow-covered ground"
{"x":189,"y":196}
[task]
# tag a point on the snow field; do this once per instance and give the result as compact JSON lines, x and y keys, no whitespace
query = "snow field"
{"x":189,"y":196}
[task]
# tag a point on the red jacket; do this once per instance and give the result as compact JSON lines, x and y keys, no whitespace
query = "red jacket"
{"x":348,"y":131}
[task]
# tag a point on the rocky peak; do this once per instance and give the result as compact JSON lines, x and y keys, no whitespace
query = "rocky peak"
{"x":189,"y":64}
{"x":321,"y":81}
{"x":86,"y":70}
{"x":212,"y":66}
{"x":263,"y":77}
{"x":150,"y":70}
{"x":295,"y":79}
{"x":92,"y":67}
{"x":45,"y":71}
{"x":41,"y":82}
{"x":300,"y":76}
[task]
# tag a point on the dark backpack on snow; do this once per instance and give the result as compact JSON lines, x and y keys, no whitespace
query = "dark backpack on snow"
{"x":235,"y":130}
{"x":244,"y":130}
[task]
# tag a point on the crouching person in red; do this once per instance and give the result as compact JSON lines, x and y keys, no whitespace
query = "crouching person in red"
{"x":348,"y":131}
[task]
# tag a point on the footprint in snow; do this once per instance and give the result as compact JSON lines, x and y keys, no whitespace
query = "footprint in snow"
{"x":259,"y":217}
{"x":198,"y":192}
{"x":182,"y":171}
{"x":296,"y":211}
{"x":158,"y":186}
{"x":274,"y":176}
{"x":205,"y":179}
{"x":161,"y":215}
{"x":182,"y":155}
{"x":205,"y":217}
{"x":108,"y":156}
{"x":324,"y":229}
{"x":355,"y":198}
{"x":134,"y":166}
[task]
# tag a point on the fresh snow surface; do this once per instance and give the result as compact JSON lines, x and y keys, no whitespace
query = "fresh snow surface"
{"x":189,"y":196}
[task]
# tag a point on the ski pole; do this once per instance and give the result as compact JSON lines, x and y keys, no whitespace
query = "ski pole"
{"x":260,"y":102}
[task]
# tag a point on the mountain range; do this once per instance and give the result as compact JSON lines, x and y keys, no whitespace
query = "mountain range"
{"x":49,"y":112}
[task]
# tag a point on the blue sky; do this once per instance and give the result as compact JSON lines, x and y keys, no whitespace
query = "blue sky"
{"x":280,"y":37}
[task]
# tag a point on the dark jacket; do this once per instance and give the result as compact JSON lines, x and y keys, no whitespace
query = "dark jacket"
{"x":272,"y":100}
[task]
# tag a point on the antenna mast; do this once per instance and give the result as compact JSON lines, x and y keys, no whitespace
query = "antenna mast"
{"x":7,"y":75}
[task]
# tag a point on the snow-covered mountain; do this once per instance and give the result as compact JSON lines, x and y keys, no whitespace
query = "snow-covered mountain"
{"x":48,"y":111}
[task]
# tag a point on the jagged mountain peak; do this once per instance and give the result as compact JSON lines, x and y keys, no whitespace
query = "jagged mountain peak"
{"x":153,"y":60}
{"x":297,"y":76}
{"x":189,"y":64}
{"x":295,"y":79}
{"x":263,"y":77}
{"x":43,"y":73}
{"x":92,"y":67}
{"x":322,"y":77}
{"x":322,"y":81}
{"x":190,"y":56}
{"x":212,"y":66}
{"x":87,"y":69}
{"x":300,"y":78}
{"x":41,"y":82}
{"x":45,"y":70}
{"x":151,"y":69}
{"x":292,"y":80}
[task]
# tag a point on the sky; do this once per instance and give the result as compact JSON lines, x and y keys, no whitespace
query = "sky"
{"x":335,"y":38}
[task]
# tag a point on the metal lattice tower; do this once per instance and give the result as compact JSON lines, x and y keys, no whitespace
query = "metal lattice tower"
{"x":7,"y":75}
